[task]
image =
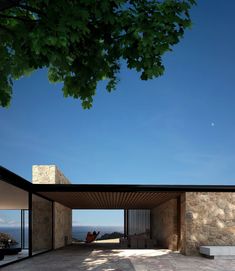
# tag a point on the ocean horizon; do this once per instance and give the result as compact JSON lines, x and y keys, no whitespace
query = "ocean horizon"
{"x":78,"y":232}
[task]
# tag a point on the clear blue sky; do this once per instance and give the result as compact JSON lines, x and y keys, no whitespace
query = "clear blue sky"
{"x":176,"y":129}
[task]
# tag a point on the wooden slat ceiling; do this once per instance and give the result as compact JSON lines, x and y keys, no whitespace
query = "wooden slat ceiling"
{"x":110,"y":200}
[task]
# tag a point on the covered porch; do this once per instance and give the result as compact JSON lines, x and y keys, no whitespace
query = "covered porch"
{"x":151,"y":218}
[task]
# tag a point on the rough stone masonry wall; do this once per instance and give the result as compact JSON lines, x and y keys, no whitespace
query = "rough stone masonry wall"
{"x":50,"y":174}
{"x":164,"y":225}
{"x":62,"y":225}
{"x":209,"y":220}
{"x":182,"y":241}
{"x":41,"y":224}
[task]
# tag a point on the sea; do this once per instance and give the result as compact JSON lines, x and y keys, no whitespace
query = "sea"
{"x":78,"y":232}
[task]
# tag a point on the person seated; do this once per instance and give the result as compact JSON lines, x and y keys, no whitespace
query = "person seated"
{"x":91,"y":236}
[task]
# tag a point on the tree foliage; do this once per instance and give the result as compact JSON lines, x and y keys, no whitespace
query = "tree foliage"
{"x":82,"y":42}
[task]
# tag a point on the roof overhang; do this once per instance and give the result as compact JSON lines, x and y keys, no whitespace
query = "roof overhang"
{"x":102,"y":196}
{"x":110,"y":199}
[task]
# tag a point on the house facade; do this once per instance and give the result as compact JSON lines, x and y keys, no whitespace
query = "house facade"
{"x":178,"y":217}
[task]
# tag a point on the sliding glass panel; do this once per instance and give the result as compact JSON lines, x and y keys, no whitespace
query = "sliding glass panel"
{"x":13,"y":202}
{"x":139,"y":222}
{"x":24,"y":229}
{"x":41,"y":224}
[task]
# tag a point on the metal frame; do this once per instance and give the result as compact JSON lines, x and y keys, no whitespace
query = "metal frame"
{"x":37,"y":188}
{"x":11,"y":178}
{"x":21,"y":228}
{"x":125,"y":222}
{"x":30,"y":225}
{"x":22,"y":225}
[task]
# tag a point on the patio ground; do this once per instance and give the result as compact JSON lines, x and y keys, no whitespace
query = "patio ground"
{"x":100,"y":257}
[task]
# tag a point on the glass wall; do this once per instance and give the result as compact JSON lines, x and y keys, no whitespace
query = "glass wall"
{"x":25,"y":229}
{"x":42,"y":214}
{"x":138,"y":222}
{"x":14,"y":230}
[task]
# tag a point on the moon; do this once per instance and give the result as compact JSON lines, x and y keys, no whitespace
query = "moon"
{"x":212,"y":124}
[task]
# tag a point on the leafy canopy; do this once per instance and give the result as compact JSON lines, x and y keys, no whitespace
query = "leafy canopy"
{"x":82,"y":42}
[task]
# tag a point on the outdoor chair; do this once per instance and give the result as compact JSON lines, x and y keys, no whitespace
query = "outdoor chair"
{"x":91,"y":237}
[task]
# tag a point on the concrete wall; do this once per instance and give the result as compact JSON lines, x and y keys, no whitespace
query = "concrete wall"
{"x":165,"y":225}
{"x":50,"y":174}
{"x":209,"y":219}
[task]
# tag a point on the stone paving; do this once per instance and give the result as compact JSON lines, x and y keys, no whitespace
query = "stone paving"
{"x":103,"y":259}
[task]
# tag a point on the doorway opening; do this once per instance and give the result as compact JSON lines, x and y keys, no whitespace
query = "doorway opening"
{"x":108,"y":225}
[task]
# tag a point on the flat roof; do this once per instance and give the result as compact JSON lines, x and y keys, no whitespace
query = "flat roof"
{"x":108,"y":196}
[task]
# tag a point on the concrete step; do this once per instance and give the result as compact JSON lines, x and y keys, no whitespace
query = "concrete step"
{"x":226,"y":252}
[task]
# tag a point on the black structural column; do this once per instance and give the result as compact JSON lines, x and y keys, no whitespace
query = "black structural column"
{"x":30,"y":224}
{"x":126,"y":222}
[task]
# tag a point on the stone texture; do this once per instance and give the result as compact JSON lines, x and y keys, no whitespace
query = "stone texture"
{"x":41,"y":224}
{"x":182,"y":238}
{"x":209,"y":219}
{"x":62,"y":225}
{"x":165,"y":225}
{"x":50,"y":174}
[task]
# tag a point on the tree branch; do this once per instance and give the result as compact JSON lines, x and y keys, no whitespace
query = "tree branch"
{"x":24,"y":19}
{"x":8,"y":4}
{"x":31,"y":9}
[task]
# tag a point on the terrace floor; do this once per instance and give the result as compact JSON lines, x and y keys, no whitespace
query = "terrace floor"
{"x":99,"y":257}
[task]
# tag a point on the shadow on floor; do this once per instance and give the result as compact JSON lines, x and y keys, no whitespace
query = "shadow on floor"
{"x":104,"y":257}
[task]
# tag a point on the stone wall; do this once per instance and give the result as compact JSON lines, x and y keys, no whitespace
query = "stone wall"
{"x":62,"y":225}
{"x":182,"y":237}
{"x":209,"y":220}
{"x":165,"y":225}
{"x":41,"y":224}
{"x":50,"y":174}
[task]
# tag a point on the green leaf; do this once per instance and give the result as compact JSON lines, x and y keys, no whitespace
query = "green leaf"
{"x":83,"y":42}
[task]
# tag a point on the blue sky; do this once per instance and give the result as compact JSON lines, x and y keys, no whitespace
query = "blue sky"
{"x":110,"y":218}
{"x":177,"y":129}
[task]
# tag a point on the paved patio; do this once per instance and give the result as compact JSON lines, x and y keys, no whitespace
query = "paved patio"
{"x":97,"y":258}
